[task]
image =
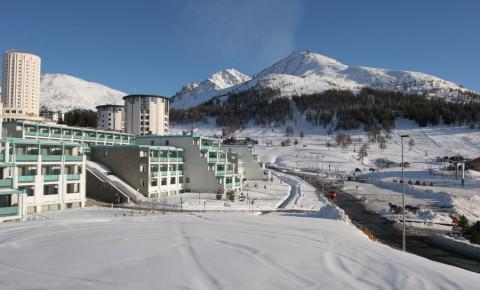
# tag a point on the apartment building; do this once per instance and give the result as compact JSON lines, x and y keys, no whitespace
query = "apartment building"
{"x":21,"y":86}
{"x":146,"y":114}
{"x":208,"y":167}
{"x":110,"y":117}
{"x":51,"y":174}
{"x":250,"y":165}
{"x":85,"y":136}
{"x":154,"y":171}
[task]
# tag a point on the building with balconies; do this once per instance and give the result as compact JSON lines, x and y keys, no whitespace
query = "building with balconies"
{"x":208,"y":167}
{"x":154,"y":171}
{"x":50,"y":173}
{"x":85,"y":136}
{"x":250,"y":165}
{"x":111,"y":117}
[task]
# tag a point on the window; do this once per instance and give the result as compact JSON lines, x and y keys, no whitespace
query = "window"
{"x":142,"y":167}
{"x":173,"y":180}
{"x":187,"y":180}
{"x":105,"y":153}
{"x":164,"y":181}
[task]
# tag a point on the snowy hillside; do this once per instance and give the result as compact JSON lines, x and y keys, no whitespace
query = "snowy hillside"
{"x":64,"y":92}
{"x":307,"y":73}
{"x":112,"y":249}
{"x":194,"y":94}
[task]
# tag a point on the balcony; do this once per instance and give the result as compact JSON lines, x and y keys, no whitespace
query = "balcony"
{"x":212,"y":160}
{"x":2,"y":158}
{"x":154,"y":159}
{"x":204,"y":147}
{"x":154,"y":173}
{"x":44,"y":134}
{"x":222,"y":160}
{"x":6,"y":183}
{"x":220,"y":172}
{"x":90,"y":137}
{"x":163,"y":159}
{"x":73,"y":176}
{"x":237,"y":184}
{"x":77,"y":136}
{"x":56,"y":135}
{"x":26,"y":179}
{"x":51,"y":158}
{"x":163,"y":173}
{"x":26,"y":158}
{"x":73,"y":157}
{"x":50,"y":178}
{"x":30,"y":133}
{"x":10,"y":210}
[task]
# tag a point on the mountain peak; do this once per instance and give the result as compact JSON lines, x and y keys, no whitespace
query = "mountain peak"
{"x":196,"y":94}
{"x":303,"y":63}
{"x":65,"y":92}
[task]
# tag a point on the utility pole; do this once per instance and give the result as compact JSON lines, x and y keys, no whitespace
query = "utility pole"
{"x":403,"y":195}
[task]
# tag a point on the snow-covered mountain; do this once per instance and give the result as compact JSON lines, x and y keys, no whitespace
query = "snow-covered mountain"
{"x":307,"y":73}
{"x":194,"y":94}
{"x":64,"y":92}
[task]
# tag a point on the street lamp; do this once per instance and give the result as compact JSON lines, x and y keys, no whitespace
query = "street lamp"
{"x":403,"y":194}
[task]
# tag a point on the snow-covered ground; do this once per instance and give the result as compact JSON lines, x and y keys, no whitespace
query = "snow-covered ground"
{"x":97,"y":248}
{"x":437,"y":203}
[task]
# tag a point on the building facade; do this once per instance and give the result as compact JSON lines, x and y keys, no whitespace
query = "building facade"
{"x":111,"y":117}
{"x":55,"y":132}
{"x":21,"y":86}
{"x":154,"y":171}
{"x":208,"y":167}
{"x":146,"y":114}
{"x":50,"y":174}
{"x":249,"y":164}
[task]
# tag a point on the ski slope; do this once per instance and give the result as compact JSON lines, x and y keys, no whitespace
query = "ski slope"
{"x":111,"y":249}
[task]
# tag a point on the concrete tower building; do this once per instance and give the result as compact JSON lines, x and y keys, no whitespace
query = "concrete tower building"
{"x":21,"y":86}
{"x":110,"y":117}
{"x":146,"y":114}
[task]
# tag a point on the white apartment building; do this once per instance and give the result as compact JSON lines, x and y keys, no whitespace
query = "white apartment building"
{"x":110,"y":117}
{"x":50,"y":175}
{"x":21,"y":86}
{"x":146,"y":114}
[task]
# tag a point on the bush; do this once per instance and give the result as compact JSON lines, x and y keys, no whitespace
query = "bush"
{"x":410,"y":182}
{"x":219,"y":195}
{"x":231,"y":195}
{"x":417,"y":182}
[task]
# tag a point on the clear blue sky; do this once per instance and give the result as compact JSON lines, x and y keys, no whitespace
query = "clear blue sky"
{"x":157,"y":46}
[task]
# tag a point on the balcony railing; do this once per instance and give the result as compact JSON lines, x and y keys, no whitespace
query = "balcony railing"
{"x":154,"y":173}
{"x":26,"y":178}
{"x":73,"y":157}
{"x":163,"y":173}
{"x":154,"y":159}
{"x":73,"y":176}
{"x":10,"y":210}
{"x":2,"y":158}
{"x":6,"y":183}
{"x":43,"y":134}
{"x":49,"y":158}
{"x":163,"y":159}
{"x":50,"y":177}
{"x":26,"y":157}
{"x":31,"y":133}
{"x":56,"y":135}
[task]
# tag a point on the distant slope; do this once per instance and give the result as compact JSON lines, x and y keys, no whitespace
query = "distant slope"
{"x":194,"y":94}
{"x":307,"y":73}
{"x":64,"y":92}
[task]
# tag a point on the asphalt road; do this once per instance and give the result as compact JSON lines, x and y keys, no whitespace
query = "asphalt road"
{"x":389,"y":233}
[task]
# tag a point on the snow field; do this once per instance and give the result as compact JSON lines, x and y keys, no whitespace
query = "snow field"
{"x":93,"y":249}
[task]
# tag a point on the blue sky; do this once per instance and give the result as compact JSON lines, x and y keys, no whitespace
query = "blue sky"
{"x":157,"y":46}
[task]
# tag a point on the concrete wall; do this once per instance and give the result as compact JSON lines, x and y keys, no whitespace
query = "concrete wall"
{"x":125,"y":163}
{"x":101,"y":191}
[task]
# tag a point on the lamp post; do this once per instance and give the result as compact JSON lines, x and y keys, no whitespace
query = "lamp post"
{"x":403,"y":194}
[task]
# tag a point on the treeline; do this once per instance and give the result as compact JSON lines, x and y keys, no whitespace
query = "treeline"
{"x":80,"y":118}
{"x":377,"y":108}
{"x":370,"y":109}
{"x":262,"y":106}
